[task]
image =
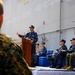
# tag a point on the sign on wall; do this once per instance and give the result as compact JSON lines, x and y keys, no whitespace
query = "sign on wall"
{"x":24,"y":1}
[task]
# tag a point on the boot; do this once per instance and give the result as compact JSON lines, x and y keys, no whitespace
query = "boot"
{"x":53,"y":65}
{"x":65,"y":67}
{"x":67,"y":61}
{"x":59,"y":66}
{"x":52,"y":62}
{"x":69,"y":68}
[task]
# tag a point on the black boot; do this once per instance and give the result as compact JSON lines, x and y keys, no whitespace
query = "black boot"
{"x":52,"y":61}
{"x":59,"y":66}
{"x":53,"y":64}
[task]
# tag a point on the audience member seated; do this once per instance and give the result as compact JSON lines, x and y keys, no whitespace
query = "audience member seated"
{"x":37,"y":47}
{"x":42,"y":52}
{"x":59,"y":55}
{"x":70,"y":56}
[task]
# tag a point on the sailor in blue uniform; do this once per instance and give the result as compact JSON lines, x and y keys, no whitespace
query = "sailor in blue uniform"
{"x":42,"y":52}
{"x":59,"y":55}
{"x":32,"y":35}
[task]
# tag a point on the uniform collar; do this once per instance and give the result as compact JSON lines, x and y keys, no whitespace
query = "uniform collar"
{"x":43,"y":47}
{"x":63,"y":45}
{"x":32,"y":32}
{"x":73,"y":45}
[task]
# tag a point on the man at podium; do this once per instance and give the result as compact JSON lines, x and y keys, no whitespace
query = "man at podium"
{"x":33,"y":37}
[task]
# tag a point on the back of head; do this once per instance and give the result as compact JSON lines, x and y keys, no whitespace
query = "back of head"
{"x":1,"y":8}
{"x":1,"y":13}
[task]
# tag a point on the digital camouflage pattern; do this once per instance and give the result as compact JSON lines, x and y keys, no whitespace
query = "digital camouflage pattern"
{"x":11,"y":60}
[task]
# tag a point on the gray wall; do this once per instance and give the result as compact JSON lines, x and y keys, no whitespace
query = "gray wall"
{"x":48,"y":16}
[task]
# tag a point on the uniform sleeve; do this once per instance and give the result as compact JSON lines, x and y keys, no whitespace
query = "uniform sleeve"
{"x":27,"y":35}
{"x":57,"y":49}
{"x":23,"y":36}
{"x":71,"y":49}
{"x":64,"y":48}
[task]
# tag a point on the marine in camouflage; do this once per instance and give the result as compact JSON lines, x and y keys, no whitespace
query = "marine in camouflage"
{"x":11,"y":59}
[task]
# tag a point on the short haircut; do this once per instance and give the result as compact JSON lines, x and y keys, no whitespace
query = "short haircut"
{"x":1,"y":8}
{"x":37,"y":44}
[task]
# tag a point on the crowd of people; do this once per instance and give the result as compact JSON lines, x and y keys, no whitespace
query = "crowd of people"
{"x":63,"y":53}
{"x":11,"y":58}
{"x":60,"y":54}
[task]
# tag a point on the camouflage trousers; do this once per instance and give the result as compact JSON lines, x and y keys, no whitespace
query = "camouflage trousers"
{"x":70,"y":59}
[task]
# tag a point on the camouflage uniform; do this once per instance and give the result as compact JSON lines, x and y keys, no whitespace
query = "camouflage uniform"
{"x":70,"y":58}
{"x":11,"y":60}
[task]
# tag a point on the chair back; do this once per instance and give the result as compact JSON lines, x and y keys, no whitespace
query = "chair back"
{"x":49,"y":52}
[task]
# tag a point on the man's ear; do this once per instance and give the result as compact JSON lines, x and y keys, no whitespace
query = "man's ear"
{"x":1,"y":20}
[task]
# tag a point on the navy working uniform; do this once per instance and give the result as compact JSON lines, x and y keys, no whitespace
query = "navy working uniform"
{"x":71,"y":49}
{"x":56,"y":59}
{"x":42,"y":52}
{"x":32,"y":36}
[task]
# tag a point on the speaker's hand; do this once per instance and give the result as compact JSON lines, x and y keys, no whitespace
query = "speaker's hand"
{"x":31,"y":41}
{"x":17,"y":33}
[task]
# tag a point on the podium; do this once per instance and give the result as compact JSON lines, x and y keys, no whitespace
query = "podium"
{"x":26,"y":49}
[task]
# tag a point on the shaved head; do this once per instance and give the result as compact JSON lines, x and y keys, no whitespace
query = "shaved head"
{"x":1,"y":13}
{"x":1,"y":8}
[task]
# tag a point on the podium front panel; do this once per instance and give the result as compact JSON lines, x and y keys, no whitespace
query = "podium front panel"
{"x":26,"y":49}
